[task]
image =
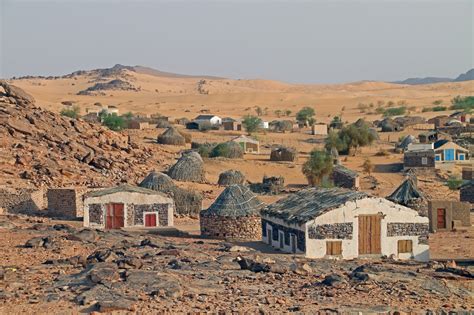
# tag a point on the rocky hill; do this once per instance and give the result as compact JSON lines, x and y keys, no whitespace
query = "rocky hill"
{"x":469,"y":75}
{"x":40,"y":147}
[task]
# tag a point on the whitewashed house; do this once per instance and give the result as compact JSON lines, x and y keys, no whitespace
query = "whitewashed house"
{"x":342,"y":223}
{"x":212,"y":119}
{"x":264,"y":125}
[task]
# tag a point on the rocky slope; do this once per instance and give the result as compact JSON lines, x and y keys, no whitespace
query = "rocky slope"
{"x":44,"y":148}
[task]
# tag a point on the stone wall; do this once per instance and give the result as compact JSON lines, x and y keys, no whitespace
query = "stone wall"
{"x":241,"y":228}
{"x":409,"y":229}
{"x":467,"y":193}
{"x":454,"y":211}
{"x":342,"y":231}
{"x":341,"y":179}
{"x":160,"y":208}
{"x":96,"y":213}
{"x":276,"y":228}
{"x":414,"y":159}
{"x":27,"y":200}
{"x":66,"y":202}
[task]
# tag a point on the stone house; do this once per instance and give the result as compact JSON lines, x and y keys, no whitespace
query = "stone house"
{"x":466,"y":192}
{"x":248,"y":144}
{"x":342,"y":223}
{"x":25,"y":200}
{"x":418,"y":159}
{"x":231,"y":124}
{"x":235,"y":214}
{"x":345,"y":178}
{"x":137,"y":124}
{"x":448,"y":215}
{"x":448,"y":151}
{"x":66,"y":202}
{"x":127,"y":206}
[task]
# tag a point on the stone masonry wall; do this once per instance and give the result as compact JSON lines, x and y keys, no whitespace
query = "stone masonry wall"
{"x":161,"y":208}
{"x":409,"y":229}
{"x":300,"y":235}
{"x":96,"y":213}
{"x":66,"y":202}
{"x":29,"y":200}
{"x":242,"y":228}
{"x":342,"y":231}
{"x":343,"y":180}
{"x":467,"y":193}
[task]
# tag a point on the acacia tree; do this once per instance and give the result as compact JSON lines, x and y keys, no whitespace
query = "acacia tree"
{"x":305,"y":114}
{"x":251,"y":123}
{"x":317,"y":167}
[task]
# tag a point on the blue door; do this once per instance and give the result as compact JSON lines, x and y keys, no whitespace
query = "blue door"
{"x":449,"y":155}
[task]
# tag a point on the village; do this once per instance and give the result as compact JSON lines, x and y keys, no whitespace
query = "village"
{"x":193,"y":209}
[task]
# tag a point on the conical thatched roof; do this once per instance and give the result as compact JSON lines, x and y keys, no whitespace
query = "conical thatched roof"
{"x":157,"y":181}
{"x":235,"y":201}
{"x":406,"y":193}
{"x":190,"y":167}
{"x":231,"y":177}
{"x":171,"y":136}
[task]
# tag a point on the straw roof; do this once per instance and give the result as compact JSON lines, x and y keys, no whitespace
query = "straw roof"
{"x":157,"y":181}
{"x":235,"y":201}
{"x":189,"y":167}
{"x":231,"y":177}
{"x":283,"y":154}
{"x":171,"y":136}
{"x":310,"y":203}
{"x":406,"y":193}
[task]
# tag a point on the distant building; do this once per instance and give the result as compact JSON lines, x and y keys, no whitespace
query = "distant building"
{"x":466,"y":193}
{"x":468,"y":173}
{"x":319,"y":129}
{"x":448,"y":215}
{"x":66,"y":202}
{"x":463,"y":117}
{"x":448,"y":151}
{"x":428,"y":137}
{"x":345,"y":178}
{"x":342,"y":223}
{"x":439,"y":121}
{"x":231,"y":124}
{"x":264,"y":125}
{"x":212,"y":119}
{"x":423,"y":158}
{"x":248,"y":144}
{"x":136,"y":124}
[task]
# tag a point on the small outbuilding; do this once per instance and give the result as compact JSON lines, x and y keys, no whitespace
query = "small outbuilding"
{"x":446,"y":215}
{"x":345,"y":178}
{"x":281,"y":153}
{"x":66,"y":202}
{"x":188,"y":168}
{"x":171,"y":137}
{"x":248,"y":144}
{"x":127,"y":206}
{"x":231,"y":124}
{"x":423,"y":158}
{"x":319,"y":129}
{"x":342,"y":223}
{"x":235,"y":214}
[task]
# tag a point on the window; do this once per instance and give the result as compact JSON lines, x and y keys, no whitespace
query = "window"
{"x":405,"y":246}
{"x":333,"y":248}
{"x":437,"y":157}
{"x":461,"y":156}
{"x":424,"y":160}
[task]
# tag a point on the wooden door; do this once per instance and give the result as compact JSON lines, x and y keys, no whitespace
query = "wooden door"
{"x":441,"y":218}
{"x":369,"y":234}
{"x":114,"y":216}
{"x":150,"y":219}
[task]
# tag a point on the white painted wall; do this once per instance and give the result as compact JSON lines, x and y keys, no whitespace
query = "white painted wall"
{"x":215,"y":120}
{"x":126,"y":198}
{"x":348,"y":213}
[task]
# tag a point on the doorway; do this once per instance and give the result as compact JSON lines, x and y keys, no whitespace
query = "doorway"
{"x":370,"y":234}
{"x":441,"y":218}
{"x":150,"y":219}
{"x":114,"y":218}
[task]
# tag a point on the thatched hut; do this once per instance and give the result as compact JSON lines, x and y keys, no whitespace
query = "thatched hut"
{"x":235,"y":214}
{"x":230,"y":150}
{"x":408,"y":195}
{"x":172,"y":137}
{"x":403,"y":145}
{"x":186,"y":202}
{"x":283,"y":154}
{"x":231,"y":177}
{"x":189,"y":168}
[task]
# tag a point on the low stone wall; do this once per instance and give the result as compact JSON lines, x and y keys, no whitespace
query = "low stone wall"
{"x":241,"y":228}
{"x":27,"y":200}
{"x":341,"y":231}
{"x":409,"y":229}
{"x":66,"y":202}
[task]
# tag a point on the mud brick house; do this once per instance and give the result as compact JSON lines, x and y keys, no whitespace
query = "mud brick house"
{"x":25,"y":200}
{"x":424,"y":158}
{"x":448,"y":151}
{"x":448,"y":215}
{"x":66,"y":202}
{"x":137,"y":124}
{"x":235,"y":214}
{"x":319,"y":129}
{"x":345,"y":178}
{"x":127,"y":206}
{"x":466,"y":193}
{"x":342,"y":223}
{"x":231,"y":124}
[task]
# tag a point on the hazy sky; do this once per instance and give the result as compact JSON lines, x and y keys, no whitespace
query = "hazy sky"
{"x":293,"y":41}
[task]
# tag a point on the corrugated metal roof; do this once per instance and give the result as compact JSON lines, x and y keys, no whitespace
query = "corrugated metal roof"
{"x":310,"y":203}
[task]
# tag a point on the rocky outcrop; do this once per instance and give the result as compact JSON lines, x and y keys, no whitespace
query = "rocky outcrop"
{"x":116,"y":84}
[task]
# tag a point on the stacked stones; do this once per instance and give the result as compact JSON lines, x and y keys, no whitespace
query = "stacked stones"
{"x":345,"y":178}
{"x":234,"y":215}
{"x":66,"y":202}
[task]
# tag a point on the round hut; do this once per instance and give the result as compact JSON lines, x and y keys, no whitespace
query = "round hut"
{"x":283,"y":154}
{"x":235,"y":214}
{"x":230,"y":150}
{"x":172,"y":137}
{"x":189,"y":168}
{"x":231,"y":177}
{"x":187,"y":203}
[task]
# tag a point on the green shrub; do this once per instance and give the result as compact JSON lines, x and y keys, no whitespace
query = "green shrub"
{"x":426,"y":109}
{"x":305,"y":114}
{"x":251,"y":123}
{"x":454,"y":183}
{"x":230,"y":150}
{"x":317,"y":167}
{"x":463,"y":103}
{"x":72,"y":112}
{"x":395,"y":111}
{"x":113,"y":122}
{"x":439,"y":108}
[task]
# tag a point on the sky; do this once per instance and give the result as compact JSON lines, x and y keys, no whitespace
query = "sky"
{"x":292,"y":41}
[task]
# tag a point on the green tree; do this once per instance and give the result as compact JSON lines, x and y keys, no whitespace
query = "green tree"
{"x":454,"y":183}
{"x":278,"y":113}
{"x":113,"y":122}
{"x":259,"y":111}
{"x":304,"y":114}
{"x":251,"y":123}
{"x":128,"y":116}
{"x":317,"y":167}
{"x":72,"y":112}
{"x":288,"y":112}
{"x":353,"y":137}
{"x":311,"y":121}
{"x":333,"y":141}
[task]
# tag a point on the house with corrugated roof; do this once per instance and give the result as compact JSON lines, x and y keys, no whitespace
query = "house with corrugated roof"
{"x":342,"y":223}
{"x":448,"y":151}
